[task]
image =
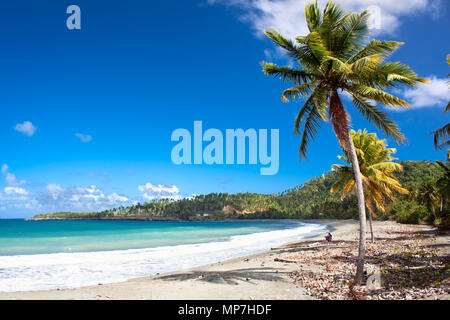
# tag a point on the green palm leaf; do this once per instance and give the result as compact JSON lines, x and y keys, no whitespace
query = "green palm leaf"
{"x":379,"y":118}
{"x":377,"y":170}
{"x":286,"y":73}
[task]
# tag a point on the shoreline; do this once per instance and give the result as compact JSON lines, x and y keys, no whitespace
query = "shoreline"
{"x":107,"y":218}
{"x":237,"y":278}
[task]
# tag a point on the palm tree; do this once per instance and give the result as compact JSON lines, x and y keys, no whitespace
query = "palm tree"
{"x":442,"y":135}
{"x":377,"y":172}
{"x":443,"y":183}
{"x":427,"y":195}
{"x":336,"y":57}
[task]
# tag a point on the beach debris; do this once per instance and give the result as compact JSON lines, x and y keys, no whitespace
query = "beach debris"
{"x":403,"y":257}
{"x":284,"y":260}
{"x":355,"y":292}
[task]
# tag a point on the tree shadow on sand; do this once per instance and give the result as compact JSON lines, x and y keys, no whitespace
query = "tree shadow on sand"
{"x":229,"y":277}
{"x":312,"y":246}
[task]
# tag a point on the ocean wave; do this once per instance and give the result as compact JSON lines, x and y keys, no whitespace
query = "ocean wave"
{"x":77,"y":269}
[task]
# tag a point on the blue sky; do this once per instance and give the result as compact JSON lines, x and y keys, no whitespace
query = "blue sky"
{"x":87,"y":114}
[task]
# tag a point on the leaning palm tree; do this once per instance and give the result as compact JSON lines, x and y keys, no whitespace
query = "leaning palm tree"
{"x":442,"y":135}
{"x":377,"y":172}
{"x":337,"y":57}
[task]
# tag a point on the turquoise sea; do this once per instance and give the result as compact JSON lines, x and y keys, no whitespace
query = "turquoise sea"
{"x":37,"y":255}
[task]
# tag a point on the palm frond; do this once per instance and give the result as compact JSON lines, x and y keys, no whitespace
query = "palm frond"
{"x":313,"y":101}
{"x":343,"y":180}
{"x":313,"y":16}
{"x":366,"y":64}
{"x":387,"y":166}
{"x":298,"y":92}
{"x":337,"y":65}
{"x":389,"y":75}
{"x":287,"y":44}
{"x":286,"y":73}
{"x":312,"y":124}
{"x":314,"y":42}
{"x":379,"y":118}
{"x":354,"y":31}
{"x":378,"y":96}
{"x":441,"y":136}
{"x":384,"y":48}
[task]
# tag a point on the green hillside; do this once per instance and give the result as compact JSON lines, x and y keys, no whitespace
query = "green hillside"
{"x":310,"y":200}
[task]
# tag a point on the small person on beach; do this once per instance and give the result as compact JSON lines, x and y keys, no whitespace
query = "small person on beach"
{"x":328,"y":237}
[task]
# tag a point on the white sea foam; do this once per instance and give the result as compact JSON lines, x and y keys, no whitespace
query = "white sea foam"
{"x":71,"y":270}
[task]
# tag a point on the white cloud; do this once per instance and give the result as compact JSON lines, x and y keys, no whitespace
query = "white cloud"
{"x":26,"y":128}
{"x":159,"y":188}
{"x":10,"y":178}
{"x":84,"y":137}
{"x":12,"y":181}
{"x":151,"y":192}
{"x":91,"y":198}
{"x":288,"y":16}
{"x":115,"y":198}
{"x":55,"y":190}
{"x":54,"y":197}
{"x":13,"y":195}
{"x":434,"y":93}
{"x":12,"y":191}
{"x":57,"y":198}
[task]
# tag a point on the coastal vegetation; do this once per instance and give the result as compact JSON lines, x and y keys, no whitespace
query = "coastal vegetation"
{"x":312,"y":200}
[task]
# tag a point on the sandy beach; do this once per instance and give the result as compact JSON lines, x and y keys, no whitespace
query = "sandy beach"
{"x":266,"y":275}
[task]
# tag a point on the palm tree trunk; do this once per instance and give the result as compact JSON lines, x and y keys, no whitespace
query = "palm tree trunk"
{"x":361,"y":210}
{"x":340,"y":122}
{"x":369,"y":208}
